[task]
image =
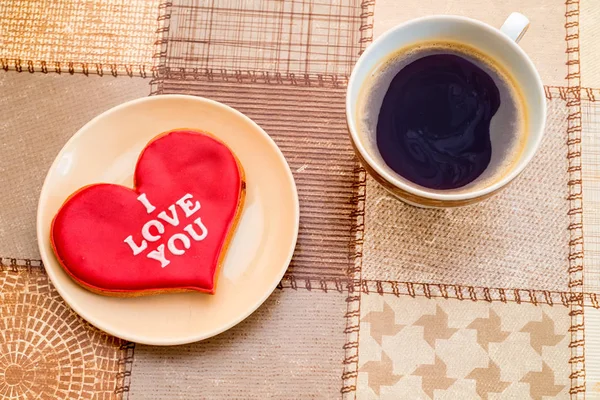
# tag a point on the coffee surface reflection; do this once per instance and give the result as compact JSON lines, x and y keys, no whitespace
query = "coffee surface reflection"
{"x":433,"y":127}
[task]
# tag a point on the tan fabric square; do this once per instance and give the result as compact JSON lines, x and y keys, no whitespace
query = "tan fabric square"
{"x":592,"y":352}
{"x":290,"y":348}
{"x":46,"y":350}
{"x":544,"y":42}
{"x":517,"y":239}
{"x":451,"y":349}
{"x":589,"y":43}
{"x":38,"y":114}
{"x":590,"y":160}
{"x":97,"y":34}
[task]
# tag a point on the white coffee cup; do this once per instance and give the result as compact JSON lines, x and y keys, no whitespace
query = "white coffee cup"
{"x":499,"y":45}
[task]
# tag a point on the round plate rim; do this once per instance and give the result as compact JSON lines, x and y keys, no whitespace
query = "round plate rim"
{"x":108,"y":328}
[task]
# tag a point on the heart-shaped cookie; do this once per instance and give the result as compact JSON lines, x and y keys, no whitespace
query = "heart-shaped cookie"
{"x":169,"y":233}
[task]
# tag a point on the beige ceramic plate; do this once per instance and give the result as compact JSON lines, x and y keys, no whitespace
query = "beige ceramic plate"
{"x":106,"y":150}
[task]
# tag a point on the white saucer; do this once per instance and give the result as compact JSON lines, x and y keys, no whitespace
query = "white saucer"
{"x":106,"y":150}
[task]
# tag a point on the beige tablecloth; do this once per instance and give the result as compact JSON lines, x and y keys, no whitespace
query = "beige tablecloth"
{"x":381,"y":300}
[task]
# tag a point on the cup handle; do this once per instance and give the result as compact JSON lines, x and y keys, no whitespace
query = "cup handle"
{"x":515,"y":26}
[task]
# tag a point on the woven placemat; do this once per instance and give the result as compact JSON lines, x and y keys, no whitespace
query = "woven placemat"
{"x":381,"y":300}
{"x":66,"y":36}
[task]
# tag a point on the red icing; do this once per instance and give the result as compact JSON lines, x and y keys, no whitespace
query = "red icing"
{"x":89,"y":230}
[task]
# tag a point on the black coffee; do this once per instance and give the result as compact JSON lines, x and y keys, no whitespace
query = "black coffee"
{"x":434,"y":123}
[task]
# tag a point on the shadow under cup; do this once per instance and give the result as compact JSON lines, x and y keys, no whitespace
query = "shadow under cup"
{"x":515,"y":130}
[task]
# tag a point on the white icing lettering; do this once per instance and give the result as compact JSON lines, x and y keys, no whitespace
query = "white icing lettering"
{"x":188,"y":206}
{"x":144,"y":200}
{"x":134,"y":247}
{"x":183,"y":239}
{"x":172,"y":219}
{"x":190,"y":230}
{"x":146,"y":230}
{"x":159,"y":255}
{"x":154,"y":230}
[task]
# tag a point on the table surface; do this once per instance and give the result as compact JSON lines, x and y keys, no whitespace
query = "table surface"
{"x":381,"y":300}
